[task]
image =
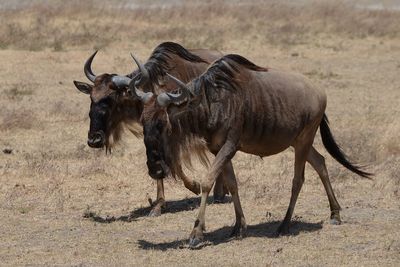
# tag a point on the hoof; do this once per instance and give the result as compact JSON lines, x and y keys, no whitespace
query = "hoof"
{"x":335,"y":219}
{"x":218,"y":199}
{"x":283,"y":229}
{"x":195,"y":242}
{"x":196,"y":237}
{"x":238,"y":231}
{"x":335,"y":222}
{"x":154,"y":213}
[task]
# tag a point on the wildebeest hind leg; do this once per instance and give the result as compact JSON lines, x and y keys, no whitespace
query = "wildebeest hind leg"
{"x":220,"y":190}
{"x":317,"y":161}
{"x":240,"y":227}
{"x":301,"y":152}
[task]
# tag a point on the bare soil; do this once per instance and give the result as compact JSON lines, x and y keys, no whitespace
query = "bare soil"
{"x":65,"y":204}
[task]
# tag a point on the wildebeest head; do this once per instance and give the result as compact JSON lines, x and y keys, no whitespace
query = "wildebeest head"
{"x":106,"y":92}
{"x":156,"y":124}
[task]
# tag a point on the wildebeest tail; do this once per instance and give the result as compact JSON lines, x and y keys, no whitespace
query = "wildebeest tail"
{"x":336,"y":152}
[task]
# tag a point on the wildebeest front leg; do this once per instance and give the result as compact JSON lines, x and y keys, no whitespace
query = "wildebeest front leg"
{"x":160,"y":202}
{"x":225,"y":154}
{"x":317,"y":161}
{"x":190,"y":184}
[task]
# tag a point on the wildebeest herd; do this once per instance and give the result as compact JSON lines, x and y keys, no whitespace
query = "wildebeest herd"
{"x":187,"y":102}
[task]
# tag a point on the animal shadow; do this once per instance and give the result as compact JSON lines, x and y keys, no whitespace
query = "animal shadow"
{"x":220,"y":236}
{"x":172,"y":206}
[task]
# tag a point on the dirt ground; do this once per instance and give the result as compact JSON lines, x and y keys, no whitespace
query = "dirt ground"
{"x":64,"y":204}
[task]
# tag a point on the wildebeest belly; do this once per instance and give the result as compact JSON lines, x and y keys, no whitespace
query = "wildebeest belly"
{"x":269,"y":145}
{"x":270,"y":136}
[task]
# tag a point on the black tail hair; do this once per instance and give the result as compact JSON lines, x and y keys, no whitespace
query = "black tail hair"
{"x":336,"y":152}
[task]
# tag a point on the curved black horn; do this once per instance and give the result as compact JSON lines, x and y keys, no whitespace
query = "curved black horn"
{"x":144,"y":73}
{"x":88,"y":67}
{"x":165,"y":99}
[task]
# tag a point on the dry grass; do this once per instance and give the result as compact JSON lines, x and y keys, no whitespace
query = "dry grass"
{"x":63,"y":203}
{"x":17,"y":92}
{"x":16,"y":119}
{"x":68,"y":24}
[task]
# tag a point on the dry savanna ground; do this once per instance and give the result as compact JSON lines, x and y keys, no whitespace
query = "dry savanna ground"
{"x":63,"y":203}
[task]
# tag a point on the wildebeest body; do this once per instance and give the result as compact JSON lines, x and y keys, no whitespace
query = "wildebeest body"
{"x":236,"y":105}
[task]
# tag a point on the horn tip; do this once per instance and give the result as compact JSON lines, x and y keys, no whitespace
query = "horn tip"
{"x":95,"y":52}
{"x":135,"y":59}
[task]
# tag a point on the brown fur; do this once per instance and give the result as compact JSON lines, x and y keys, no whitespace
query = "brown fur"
{"x":124,"y":115}
{"x":167,"y":57}
{"x":125,"y":112}
{"x":237,"y":105}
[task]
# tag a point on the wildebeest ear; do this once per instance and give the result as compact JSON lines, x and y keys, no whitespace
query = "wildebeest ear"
{"x":83,"y":87}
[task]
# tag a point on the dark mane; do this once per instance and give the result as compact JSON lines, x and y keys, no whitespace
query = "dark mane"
{"x":222,"y":73}
{"x":159,"y":62}
{"x":186,"y":137}
{"x":244,"y":62}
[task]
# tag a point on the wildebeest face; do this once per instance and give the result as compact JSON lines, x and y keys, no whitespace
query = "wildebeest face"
{"x":155,"y":121}
{"x":103,"y":95}
{"x":99,"y":115}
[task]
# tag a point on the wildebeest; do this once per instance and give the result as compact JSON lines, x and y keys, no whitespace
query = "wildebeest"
{"x":111,"y":109}
{"x":238,"y":106}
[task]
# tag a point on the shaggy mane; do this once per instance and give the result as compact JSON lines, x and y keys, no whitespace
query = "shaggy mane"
{"x":222,"y":73}
{"x":159,"y":62}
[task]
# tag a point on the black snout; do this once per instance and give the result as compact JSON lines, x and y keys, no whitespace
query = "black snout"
{"x":96,"y":140}
{"x":157,"y":170}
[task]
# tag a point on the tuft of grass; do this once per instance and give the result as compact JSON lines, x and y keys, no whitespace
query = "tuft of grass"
{"x":17,"y":119}
{"x":89,"y":213}
{"x":321,"y":75}
{"x":58,"y":45}
{"x":24,"y":210}
{"x":17,"y":92}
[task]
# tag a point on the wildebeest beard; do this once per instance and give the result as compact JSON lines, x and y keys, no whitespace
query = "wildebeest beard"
{"x":153,"y":139}
{"x":166,"y":150}
{"x":109,"y":117}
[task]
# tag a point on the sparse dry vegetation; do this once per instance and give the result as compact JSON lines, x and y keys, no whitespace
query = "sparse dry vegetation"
{"x":68,"y":24}
{"x":16,"y":118}
{"x":63,"y":203}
